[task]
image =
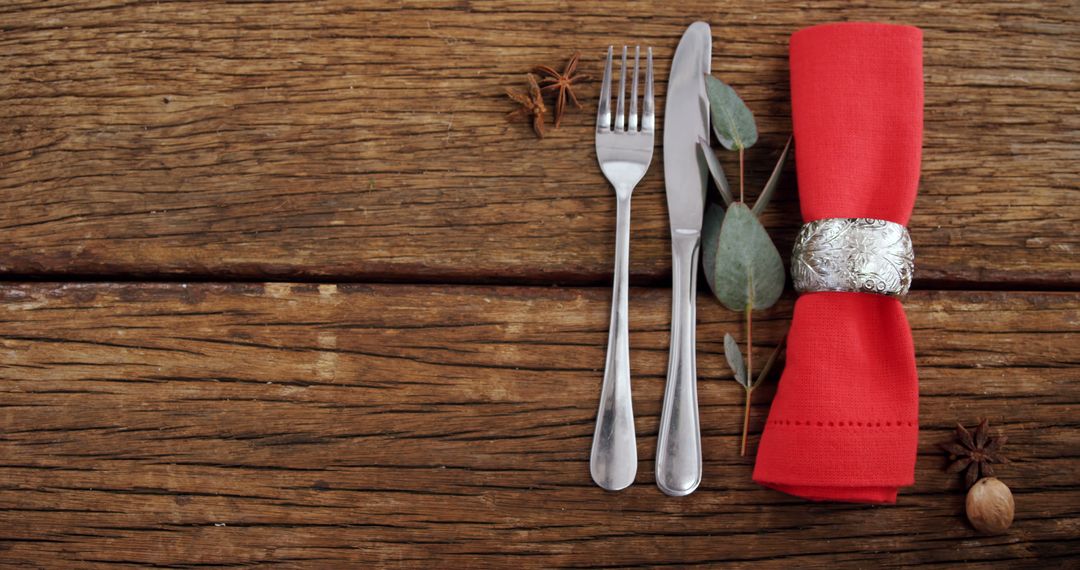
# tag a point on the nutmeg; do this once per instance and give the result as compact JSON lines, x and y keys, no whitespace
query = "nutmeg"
{"x":990,"y":506}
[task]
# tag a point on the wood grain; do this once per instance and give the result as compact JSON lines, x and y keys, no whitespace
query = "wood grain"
{"x":366,"y":141}
{"x":182,"y":425}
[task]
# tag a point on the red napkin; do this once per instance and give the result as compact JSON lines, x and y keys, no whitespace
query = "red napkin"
{"x":844,"y":423}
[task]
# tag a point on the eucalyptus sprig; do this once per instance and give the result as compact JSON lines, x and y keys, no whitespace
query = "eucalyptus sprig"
{"x":742,"y":265}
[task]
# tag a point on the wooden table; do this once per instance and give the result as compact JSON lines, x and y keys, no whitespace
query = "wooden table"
{"x":281,"y":285}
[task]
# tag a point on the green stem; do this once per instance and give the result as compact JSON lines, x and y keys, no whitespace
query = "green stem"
{"x":749,"y":344}
{"x":746,"y":421}
{"x":749,"y":374}
{"x":770,"y":362}
{"x":741,"y":197}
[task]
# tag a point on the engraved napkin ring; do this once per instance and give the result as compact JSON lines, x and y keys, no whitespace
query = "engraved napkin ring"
{"x":861,"y":255}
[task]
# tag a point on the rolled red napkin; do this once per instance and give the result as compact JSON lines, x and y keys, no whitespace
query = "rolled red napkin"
{"x":844,"y":422}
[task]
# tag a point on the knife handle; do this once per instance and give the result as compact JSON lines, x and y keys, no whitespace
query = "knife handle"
{"x":678,"y":448}
{"x":613,"y":463}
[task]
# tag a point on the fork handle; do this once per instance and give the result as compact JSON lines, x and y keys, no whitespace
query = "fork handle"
{"x":678,"y":448}
{"x":613,"y":463}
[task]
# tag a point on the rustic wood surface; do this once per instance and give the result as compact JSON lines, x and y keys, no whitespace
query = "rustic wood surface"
{"x":231,"y":424}
{"x":200,"y":367}
{"x":359,"y":141}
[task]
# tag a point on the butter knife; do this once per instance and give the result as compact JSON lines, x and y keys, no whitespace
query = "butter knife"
{"x":686,"y":119}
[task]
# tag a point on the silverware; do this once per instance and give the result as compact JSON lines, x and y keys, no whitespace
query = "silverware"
{"x":624,"y":153}
{"x":686,"y":119}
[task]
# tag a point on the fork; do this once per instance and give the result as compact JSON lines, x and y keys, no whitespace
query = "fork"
{"x":624,"y":149}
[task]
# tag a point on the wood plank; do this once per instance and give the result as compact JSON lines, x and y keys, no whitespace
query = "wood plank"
{"x":230,"y":424}
{"x":367,"y":142}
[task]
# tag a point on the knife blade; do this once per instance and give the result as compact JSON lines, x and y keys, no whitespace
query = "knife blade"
{"x":686,"y":119}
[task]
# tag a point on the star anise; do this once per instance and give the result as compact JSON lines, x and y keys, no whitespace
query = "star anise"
{"x":974,"y":453}
{"x":563,"y":83}
{"x":532,"y":104}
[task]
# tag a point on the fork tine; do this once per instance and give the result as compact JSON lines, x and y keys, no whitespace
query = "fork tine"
{"x":632,"y":124}
{"x":603,"y":110}
{"x":648,"y":116}
{"x":620,"y":110}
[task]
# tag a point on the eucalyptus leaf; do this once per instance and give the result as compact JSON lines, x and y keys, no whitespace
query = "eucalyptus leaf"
{"x":732,"y":121}
{"x":716,"y":170}
{"x":710,"y":237}
{"x":735,"y":360}
{"x":747,"y":268}
{"x":774,"y":180}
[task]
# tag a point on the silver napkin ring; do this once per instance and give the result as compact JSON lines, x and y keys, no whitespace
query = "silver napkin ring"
{"x":860,"y":255}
